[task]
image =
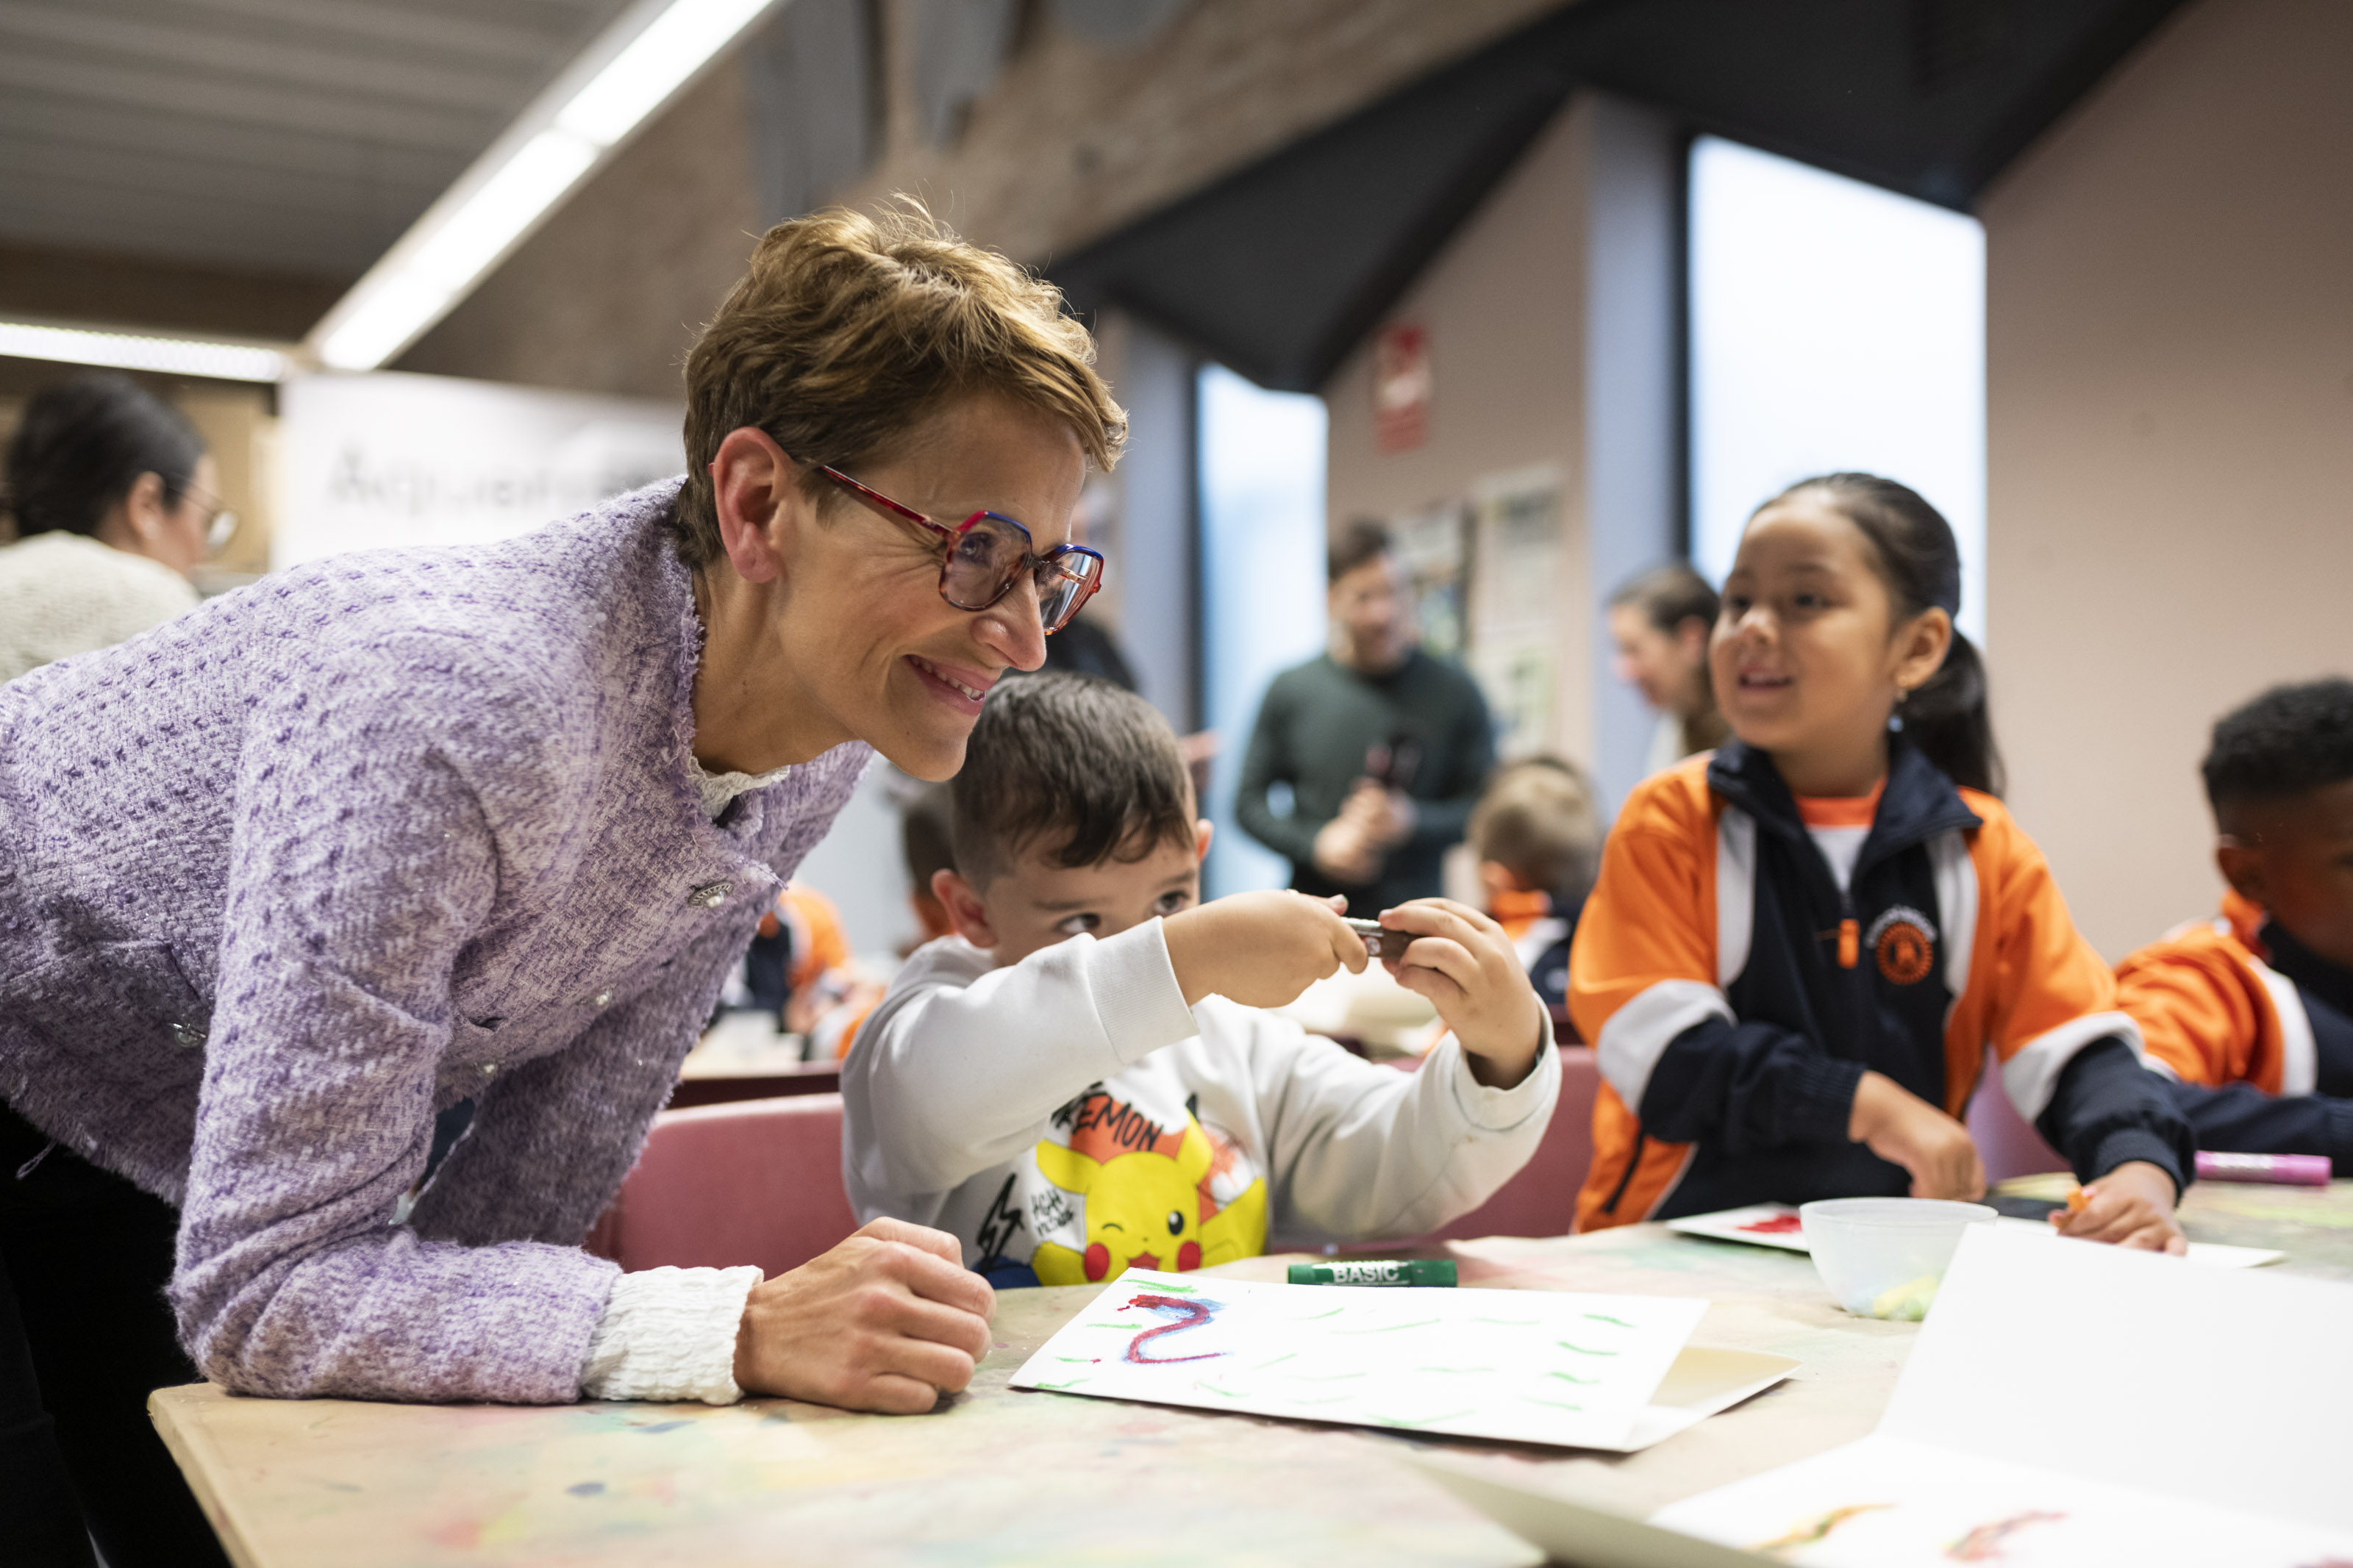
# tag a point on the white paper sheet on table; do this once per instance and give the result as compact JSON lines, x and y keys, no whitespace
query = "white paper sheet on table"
{"x":1575,"y":1371}
{"x":2081,"y":1405}
{"x":1770,"y":1225}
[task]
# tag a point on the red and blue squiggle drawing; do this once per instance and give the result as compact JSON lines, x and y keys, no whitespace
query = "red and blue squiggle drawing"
{"x":1194,"y":1313}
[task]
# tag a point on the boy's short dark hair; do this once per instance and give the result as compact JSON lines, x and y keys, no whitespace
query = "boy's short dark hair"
{"x":1074,"y":766}
{"x":1538,"y":820}
{"x":925,"y":835}
{"x":1357,"y":540}
{"x":2288,"y":742}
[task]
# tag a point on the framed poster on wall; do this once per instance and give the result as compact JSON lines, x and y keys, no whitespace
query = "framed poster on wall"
{"x":1434,"y":548}
{"x":1514,"y":640}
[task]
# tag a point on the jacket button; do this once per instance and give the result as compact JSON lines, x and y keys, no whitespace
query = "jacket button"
{"x":187,"y":1037}
{"x":490,"y":1070}
{"x":711,"y":895}
{"x":602,"y":999}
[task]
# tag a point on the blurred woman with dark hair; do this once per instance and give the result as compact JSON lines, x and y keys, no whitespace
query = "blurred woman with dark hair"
{"x":114,"y":495}
{"x":1659,"y":622}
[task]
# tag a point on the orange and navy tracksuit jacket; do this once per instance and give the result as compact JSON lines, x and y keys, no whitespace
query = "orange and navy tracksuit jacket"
{"x":1735,"y":992}
{"x":2257,"y":1027}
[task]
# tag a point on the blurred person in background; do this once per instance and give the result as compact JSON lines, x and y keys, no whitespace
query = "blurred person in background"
{"x":1538,"y":834}
{"x":800,"y":969}
{"x":1660,"y":622}
{"x":1383,"y":747}
{"x":1086,"y":646}
{"x":113,"y":495}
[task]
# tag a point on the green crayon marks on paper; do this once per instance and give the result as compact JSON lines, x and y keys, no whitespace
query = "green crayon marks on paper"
{"x":1319,"y":1316}
{"x":1423,"y":1421}
{"x":1572,"y":1377}
{"x":1556,"y":1404}
{"x":1388,"y":1328}
{"x":1438,"y":1271}
{"x":1060,"y":1386}
{"x":1582,"y":1351}
{"x":1600,"y":1318}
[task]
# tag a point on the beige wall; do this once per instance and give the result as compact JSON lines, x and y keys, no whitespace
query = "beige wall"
{"x":2170,"y":387}
{"x":1552,"y":320}
{"x":1507,"y":381}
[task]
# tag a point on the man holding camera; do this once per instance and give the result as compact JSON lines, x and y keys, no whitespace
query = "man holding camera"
{"x":1383,"y":747}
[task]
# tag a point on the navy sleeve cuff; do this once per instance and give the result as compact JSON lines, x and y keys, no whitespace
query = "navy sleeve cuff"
{"x":2338,"y":1117}
{"x":2127,"y":1143}
{"x":1825,"y":1098}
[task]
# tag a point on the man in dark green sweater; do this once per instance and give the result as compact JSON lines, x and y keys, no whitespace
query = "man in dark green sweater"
{"x":1384,"y":748}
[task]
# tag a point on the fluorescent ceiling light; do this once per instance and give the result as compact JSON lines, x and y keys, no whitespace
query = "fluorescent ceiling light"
{"x":479,"y":233}
{"x":633,"y":69}
{"x":137,"y":351}
{"x":655,"y":65}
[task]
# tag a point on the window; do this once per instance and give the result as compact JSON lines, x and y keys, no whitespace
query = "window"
{"x":1833,"y":326}
{"x":1262,"y":487}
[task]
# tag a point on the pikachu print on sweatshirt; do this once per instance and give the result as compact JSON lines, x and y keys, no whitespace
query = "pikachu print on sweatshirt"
{"x":1116,"y":1184}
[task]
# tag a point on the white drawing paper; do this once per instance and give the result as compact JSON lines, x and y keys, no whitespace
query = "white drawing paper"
{"x":1576,"y":1370}
{"x":1776,"y":1224}
{"x":2076,"y":1406}
{"x":1887,"y":1503}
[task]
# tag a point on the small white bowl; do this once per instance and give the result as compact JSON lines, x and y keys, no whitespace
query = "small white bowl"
{"x":1884,"y":1257}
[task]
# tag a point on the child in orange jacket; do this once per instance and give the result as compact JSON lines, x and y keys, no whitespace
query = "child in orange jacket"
{"x":2254,"y":1011}
{"x":1801,"y":944}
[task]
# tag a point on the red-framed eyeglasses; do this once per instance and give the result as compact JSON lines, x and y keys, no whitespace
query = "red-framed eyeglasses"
{"x":987,"y":553}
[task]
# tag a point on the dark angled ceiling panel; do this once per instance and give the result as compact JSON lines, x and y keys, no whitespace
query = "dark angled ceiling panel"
{"x":1279,"y":269}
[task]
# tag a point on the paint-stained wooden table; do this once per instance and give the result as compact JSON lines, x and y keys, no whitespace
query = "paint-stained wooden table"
{"x":1000,"y":1477}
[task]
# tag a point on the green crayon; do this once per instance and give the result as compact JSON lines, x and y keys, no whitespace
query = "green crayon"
{"x":1390,"y":1271}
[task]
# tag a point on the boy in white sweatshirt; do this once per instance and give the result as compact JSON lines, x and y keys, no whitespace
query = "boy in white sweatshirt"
{"x":1080,"y":1080}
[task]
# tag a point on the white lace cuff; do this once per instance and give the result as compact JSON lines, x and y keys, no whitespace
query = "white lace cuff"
{"x":670,"y":1334}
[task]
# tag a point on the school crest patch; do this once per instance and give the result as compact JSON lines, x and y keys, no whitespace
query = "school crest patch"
{"x":1903,"y":940}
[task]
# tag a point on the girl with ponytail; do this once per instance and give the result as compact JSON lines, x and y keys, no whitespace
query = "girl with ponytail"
{"x":1800,"y":947}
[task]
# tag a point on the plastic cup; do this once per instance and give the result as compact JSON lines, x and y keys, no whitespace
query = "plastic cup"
{"x":1885,"y":1258}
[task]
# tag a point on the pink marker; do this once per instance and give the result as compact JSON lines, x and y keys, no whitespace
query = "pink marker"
{"x":2284,"y":1169}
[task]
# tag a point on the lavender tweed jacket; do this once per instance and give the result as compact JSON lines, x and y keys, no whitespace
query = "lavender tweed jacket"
{"x":284,"y":877}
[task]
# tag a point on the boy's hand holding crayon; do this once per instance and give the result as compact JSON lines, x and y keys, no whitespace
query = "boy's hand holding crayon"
{"x":1461,"y":961}
{"x":1261,"y":949}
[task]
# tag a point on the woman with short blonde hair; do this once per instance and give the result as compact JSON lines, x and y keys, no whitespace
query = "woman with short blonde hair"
{"x":284,"y":878}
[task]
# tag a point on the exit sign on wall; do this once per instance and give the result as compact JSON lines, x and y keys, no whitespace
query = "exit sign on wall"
{"x":1401,"y":386}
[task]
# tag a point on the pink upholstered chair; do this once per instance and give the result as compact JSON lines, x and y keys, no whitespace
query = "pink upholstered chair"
{"x":1541,"y":1199}
{"x":755,"y":1181}
{"x":760,"y":1181}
